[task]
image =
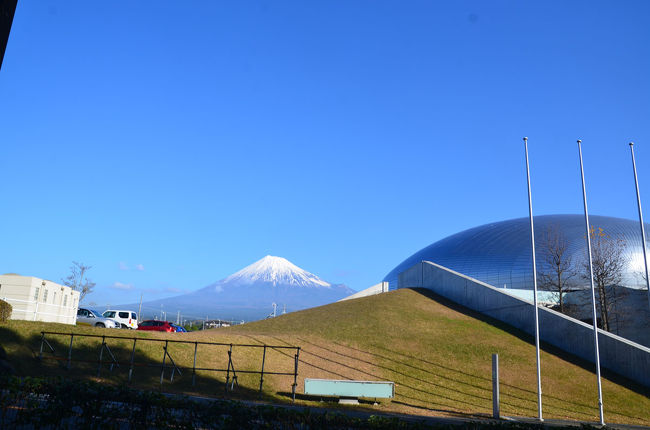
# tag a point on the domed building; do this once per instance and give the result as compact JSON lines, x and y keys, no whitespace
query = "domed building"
{"x":488,"y":269}
{"x":499,"y":253}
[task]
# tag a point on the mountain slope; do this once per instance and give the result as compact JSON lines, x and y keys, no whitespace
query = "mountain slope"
{"x":275,"y":270}
{"x":249,"y":294}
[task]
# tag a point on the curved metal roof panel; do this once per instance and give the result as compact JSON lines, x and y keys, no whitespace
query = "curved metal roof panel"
{"x":499,"y":253}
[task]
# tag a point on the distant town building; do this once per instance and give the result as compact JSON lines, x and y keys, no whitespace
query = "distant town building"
{"x":35,"y":299}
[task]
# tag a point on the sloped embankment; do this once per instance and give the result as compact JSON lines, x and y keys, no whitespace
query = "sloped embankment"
{"x":439,"y":356}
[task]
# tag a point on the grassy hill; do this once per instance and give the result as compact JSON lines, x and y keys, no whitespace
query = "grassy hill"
{"x":438,"y":354}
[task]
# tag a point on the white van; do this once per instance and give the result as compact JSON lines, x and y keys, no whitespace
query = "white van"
{"x":126,"y":319}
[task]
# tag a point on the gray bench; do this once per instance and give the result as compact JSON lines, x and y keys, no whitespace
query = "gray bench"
{"x":349,"y":392}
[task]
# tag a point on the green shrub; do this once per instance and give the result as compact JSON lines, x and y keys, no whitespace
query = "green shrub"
{"x":5,"y":311}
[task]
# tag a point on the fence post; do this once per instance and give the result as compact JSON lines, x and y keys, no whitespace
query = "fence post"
{"x":132,"y":360}
{"x":262,"y":372}
{"x":101,"y":354}
{"x":40,"y":353}
{"x":196,"y":344}
{"x":495,"y":387}
{"x":162,"y":373}
{"x":295,"y":374}
{"x":228,"y":371}
{"x":70,"y":351}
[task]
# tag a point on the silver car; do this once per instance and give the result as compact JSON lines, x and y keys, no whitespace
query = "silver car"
{"x":93,"y":318}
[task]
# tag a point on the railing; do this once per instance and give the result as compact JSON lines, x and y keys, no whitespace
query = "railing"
{"x":112,"y":362}
{"x":34,"y":313}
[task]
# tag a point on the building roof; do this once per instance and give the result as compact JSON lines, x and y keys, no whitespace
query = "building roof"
{"x":499,"y":253}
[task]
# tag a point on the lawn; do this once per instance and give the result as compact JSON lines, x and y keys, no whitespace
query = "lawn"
{"x":438,"y":355}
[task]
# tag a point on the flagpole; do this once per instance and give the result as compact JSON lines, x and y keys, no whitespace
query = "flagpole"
{"x":532,"y":241}
{"x":593,"y":292}
{"x":638,"y":201}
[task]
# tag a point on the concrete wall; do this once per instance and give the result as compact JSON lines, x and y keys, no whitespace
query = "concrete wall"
{"x":379,"y":288}
{"x":629,"y":315}
{"x":616,"y":353}
{"x":36,"y":299}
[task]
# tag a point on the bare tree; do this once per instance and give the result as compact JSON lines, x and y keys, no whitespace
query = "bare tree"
{"x":608,"y":263}
{"x":78,"y":279}
{"x":557,"y":269}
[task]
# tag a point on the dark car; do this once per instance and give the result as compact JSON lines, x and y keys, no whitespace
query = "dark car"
{"x":153,"y":325}
{"x":178,"y":328}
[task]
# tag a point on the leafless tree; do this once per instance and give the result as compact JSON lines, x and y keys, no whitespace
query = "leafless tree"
{"x":608,"y":263}
{"x":78,"y":279}
{"x":557,"y":268}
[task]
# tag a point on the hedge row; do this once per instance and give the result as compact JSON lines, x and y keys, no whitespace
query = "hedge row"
{"x":62,"y":403}
{"x":5,"y":311}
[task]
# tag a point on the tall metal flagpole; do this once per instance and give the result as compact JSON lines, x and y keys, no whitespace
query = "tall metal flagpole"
{"x":532,"y":241}
{"x":638,"y":201}
{"x":593,"y":291}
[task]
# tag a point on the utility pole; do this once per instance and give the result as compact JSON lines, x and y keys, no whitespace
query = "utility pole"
{"x":532,"y":241}
{"x":638,"y":200}
{"x":140,"y":310}
{"x":593,"y":290}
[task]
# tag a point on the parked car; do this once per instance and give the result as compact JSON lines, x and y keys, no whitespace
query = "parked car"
{"x":93,"y":318}
{"x":153,"y":325}
{"x":179,"y":328}
{"x":126,"y":319}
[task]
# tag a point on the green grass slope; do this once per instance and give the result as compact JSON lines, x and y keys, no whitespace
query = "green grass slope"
{"x":439,"y":356}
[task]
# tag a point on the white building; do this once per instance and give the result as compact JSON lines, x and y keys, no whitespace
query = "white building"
{"x":35,"y":299}
{"x":379,"y":288}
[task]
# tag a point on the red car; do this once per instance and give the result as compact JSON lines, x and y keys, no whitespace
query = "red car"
{"x":153,"y":325}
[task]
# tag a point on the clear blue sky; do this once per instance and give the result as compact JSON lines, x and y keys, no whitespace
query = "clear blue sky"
{"x":169,"y":144}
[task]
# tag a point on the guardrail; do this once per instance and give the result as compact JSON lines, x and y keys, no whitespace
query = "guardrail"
{"x":112,"y":362}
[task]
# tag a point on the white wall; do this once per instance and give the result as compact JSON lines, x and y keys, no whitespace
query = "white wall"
{"x":379,"y":288}
{"x":36,"y":299}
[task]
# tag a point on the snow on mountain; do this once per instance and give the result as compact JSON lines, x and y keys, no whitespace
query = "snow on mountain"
{"x":275,"y":270}
{"x":250,"y":293}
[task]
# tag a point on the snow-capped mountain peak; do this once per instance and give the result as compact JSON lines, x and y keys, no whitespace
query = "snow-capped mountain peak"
{"x":276,"y":270}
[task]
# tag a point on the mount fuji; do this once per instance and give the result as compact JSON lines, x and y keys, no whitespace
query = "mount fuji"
{"x":250,"y":293}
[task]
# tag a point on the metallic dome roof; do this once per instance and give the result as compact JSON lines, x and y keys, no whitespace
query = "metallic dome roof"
{"x":500,"y":253}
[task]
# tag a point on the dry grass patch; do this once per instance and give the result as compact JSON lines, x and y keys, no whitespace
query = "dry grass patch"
{"x":439,"y":356}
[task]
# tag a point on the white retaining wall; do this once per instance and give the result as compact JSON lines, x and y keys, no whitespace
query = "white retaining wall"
{"x":379,"y":288}
{"x":617,"y":354}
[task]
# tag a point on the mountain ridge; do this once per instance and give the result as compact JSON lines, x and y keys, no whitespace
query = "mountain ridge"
{"x":275,"y":270}
{"x":250,"y":293}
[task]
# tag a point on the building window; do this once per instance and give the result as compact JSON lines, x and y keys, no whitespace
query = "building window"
{"x":54,"y":298}
{"x":36,"y":294}
{"x":45,"y":296}
{"x":65,"y":301}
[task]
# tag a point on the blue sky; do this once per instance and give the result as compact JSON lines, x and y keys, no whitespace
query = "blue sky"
{"x":169,"y":144}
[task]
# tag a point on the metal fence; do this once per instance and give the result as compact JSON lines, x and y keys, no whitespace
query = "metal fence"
{"x":106,"y":357}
